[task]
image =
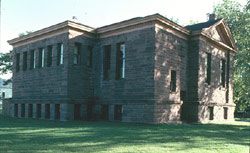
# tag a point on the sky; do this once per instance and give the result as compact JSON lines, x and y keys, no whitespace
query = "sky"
{"x":19,"y":16}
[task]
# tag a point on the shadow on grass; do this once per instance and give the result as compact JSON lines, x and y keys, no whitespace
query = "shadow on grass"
{"x":29,"y":135}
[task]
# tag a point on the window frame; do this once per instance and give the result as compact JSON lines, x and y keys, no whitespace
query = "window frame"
{"x":90,"y":56}
{"x":47,"y":111}
{"x":60,"y":53}
{"x":41,"y":58}
{"x":15,"y":110}
{"x":120,"y":61}
{"x":38,"y":110}
{"x":57,"y":112}
{"x":30,"y":110}
{"x":208,"y":63}
{"x":173,"y":81}
{"x":32,"y":59}
{"x":77,"y":54}
{"x":22,"y":110}
{"x":25,"y":62}
{"x":223,"y":72}
{"x":17,"y":62}
{"x":225,"y":113}
{"x":3,"y":95}
{"x":211,"y":112}
{"x":106,"y":62}
{"x":118,"y":112}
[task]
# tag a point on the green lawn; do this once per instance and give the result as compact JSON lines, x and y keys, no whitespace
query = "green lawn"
{"x":243,"y":119}
{"x":30,"y":136}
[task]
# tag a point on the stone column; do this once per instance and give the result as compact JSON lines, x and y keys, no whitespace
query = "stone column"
{"x":52,"y":111}
{"x":230,"y":113}
{"x":111,"y":112}
{"x":19,"y":110}
{"x":42,"y":111}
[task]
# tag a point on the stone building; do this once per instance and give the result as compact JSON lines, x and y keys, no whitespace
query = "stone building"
{"x":146,"y":69}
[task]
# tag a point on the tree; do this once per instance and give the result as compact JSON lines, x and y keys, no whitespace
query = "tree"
{"x":6,"y":65}
{"x":173,"y":19}
{"x":238,"y":19}
{"x":24,"y":33}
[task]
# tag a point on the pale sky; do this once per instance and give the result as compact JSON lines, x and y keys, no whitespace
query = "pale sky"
{"x":30,"y":15}
{"x":18,"y":16}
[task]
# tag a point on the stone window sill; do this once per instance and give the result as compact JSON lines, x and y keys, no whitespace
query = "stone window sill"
{"x":173,"y":92}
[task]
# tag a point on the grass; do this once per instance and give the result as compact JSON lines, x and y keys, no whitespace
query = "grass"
{"x":30,"y":136}
{"x":242,"y":119}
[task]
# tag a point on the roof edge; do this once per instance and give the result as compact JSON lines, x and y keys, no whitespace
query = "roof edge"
{"x":55,"y":27}
{"x":154,"y":18}
{"x":201,"y":33}
{"x":140,"y":20}
{"x":104,"y":29}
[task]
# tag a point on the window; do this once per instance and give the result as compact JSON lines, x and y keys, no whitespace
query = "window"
{"x":17,"y":62}
{"x":57,"y":111}
{"x":118,"y":112}
{"x":25,"y":54}
{"x":30,"y":110}
{"x":89,"y":56}
{"x":59,"y":54}
{"x":32,"y":59}
{"x":41,"y":58}
{"x":225,"y":112}
{"x":211,"y":113}
{"x":208,"y":68}
{"x":47,"y":111}
{"x":222,"y":72}
{"x":49,"y":56}
{"x":106,"y":62}
{"x":105,"y":112}
{"x":77,"y":112}
{"x":22,"y":110}
{"x":3,"y":95}
{"x":38,"y":111}
{"x":77,"y":54}
{"x":173,"y":81}
{"x":120,"y":61}
{"x":15,"y":110}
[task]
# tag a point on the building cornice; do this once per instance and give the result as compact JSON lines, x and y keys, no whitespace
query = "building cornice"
{"x":156,"y":18}
{"x":217,"y":42}
{"x":172,"y":24}
{"x":105,"y":31}
{"x":126,"y":29}
{"x":203,"y":34}
{"x":199,"y":34}
{"x":56,"y":29}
